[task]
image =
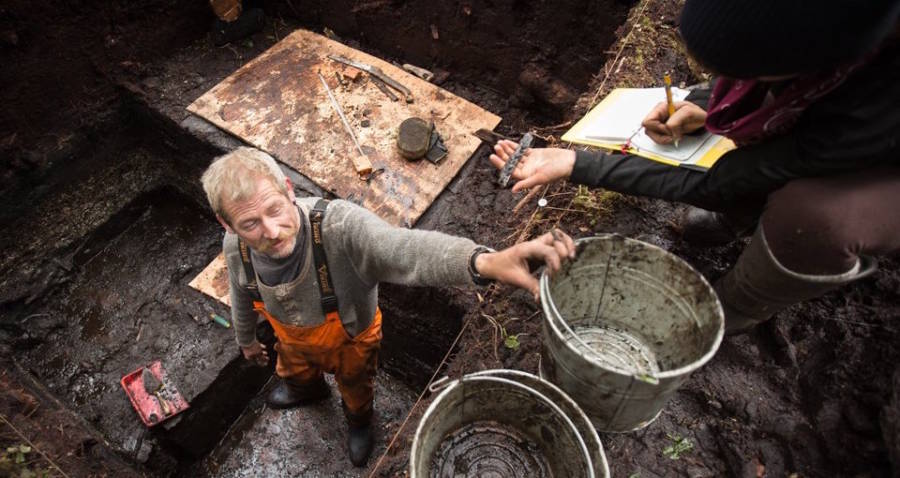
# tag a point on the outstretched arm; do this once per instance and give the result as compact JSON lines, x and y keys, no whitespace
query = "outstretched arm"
{"x":384,"y":253}
{"x":740,"y":177}
{"x":540,"y":166}
{"x":841,"y":132}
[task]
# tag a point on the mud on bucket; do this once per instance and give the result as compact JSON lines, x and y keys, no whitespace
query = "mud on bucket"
{"x":624,"y":325}
{"x":505,"y":423}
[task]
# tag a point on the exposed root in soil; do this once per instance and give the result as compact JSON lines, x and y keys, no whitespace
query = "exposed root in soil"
{"x":425,"y":390}
{"x":649,"y":49}
{"x":39,"y":439}
{"x":634,"y":19}
{"x":15,"y":459}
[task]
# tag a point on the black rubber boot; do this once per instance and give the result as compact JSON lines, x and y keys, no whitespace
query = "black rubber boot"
{"x":707,"y":228}
{"x":250,"y":22}
{"x":288,"y":394}
{"x":359,"y":444}
{"x":359,"y":437}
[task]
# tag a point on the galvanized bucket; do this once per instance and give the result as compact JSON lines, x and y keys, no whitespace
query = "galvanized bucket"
{"x":569,"y":407}
{"x":624,"y":325}
{"x":505,"y":423}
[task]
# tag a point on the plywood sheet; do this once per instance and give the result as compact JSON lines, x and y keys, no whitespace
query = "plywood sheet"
{"x":213,"y":280}
{"x":277,"y":103}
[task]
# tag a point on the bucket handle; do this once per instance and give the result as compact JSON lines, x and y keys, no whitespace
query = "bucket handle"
{"x":641,"y":377}
{"x":439,"y":384}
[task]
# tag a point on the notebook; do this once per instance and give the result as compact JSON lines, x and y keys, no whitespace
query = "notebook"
{"x":615,"y":124}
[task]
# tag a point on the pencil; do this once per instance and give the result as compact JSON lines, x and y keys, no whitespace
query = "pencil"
{"x":667,"y":80}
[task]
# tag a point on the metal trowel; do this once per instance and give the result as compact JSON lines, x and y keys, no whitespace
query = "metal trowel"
{"x":153,"y":386}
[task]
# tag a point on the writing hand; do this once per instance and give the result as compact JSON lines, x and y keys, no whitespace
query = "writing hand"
{"x":663,"y":129}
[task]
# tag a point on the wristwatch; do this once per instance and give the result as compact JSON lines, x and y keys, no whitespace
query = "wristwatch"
{"x":477,"y":278}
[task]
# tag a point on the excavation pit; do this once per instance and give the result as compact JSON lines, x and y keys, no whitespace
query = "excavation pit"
{"x":94,"y":127}
{"x":118,"y":298}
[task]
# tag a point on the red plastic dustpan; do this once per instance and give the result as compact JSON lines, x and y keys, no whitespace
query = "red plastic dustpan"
{"x":153,"y":408}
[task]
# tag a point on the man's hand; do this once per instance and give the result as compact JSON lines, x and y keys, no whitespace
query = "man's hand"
{"x":663,"y":129}
{"x":256,"y":353}
{"x":510,"y":265}
{"x":538,"y":165}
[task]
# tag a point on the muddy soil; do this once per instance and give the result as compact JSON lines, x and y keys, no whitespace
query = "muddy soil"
{"x":810,"y":393}
{"x":261,"y":440}
{"x":528,"y":49}
{"x":104,"y":292}
{"x":55,"y":84}
{"x":55,"y":439}
{"x":785,"y":399}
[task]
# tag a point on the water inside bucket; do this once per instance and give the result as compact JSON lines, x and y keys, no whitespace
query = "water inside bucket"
{"x":488,"y":449}
{"x":496,"y":426}
{"x":616,"y":349}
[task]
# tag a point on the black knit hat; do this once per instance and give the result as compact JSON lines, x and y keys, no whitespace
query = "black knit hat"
{"x":751,"y":38}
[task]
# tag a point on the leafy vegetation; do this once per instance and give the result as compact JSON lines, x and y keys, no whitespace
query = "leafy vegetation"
{"x":17,"y":462}
{"x":680,"y":446}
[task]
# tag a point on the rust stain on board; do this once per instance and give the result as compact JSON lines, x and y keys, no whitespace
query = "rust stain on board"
{"x":277,"y":103}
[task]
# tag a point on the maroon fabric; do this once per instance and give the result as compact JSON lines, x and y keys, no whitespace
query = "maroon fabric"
{"x":822,"y":225}
{"x":746,"y":111}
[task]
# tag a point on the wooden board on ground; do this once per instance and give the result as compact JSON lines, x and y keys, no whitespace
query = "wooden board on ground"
{"x":277,"y":103}
{"x":213,"y":280}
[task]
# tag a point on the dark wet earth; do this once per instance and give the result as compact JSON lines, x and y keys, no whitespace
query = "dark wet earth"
{"x":117,"y":298}
{"x":306,"y":441}
{"x":105,"y":292}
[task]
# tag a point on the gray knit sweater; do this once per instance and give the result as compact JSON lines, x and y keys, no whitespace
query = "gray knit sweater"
{"x":362,"y":251}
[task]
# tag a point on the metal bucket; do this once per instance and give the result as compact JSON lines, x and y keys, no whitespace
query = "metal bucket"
{"x":505,"y":423}
{"x":624,"y":325}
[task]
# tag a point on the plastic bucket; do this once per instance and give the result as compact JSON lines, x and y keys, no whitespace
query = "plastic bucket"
{"x":505,"y":423}
{"x":624,"y":325}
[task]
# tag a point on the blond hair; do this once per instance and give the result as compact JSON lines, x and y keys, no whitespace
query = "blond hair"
{"x":233,"y":176}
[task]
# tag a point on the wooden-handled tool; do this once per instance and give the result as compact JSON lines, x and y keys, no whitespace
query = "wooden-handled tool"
{"x":361,"y":163}
{"x":153,"y":386}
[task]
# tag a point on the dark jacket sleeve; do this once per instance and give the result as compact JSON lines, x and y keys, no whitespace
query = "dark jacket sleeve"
{"x":855,"y":127}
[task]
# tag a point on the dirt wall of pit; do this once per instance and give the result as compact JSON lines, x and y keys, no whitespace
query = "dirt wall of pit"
{"x":538,"y":52}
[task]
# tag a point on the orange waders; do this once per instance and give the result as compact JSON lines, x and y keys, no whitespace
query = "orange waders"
{"x":305,"y":352}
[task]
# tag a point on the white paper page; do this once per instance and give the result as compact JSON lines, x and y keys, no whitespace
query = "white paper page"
{"x":622,"y":119}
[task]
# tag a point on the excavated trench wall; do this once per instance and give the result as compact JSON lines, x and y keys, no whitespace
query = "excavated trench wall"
{"x":541,"y":54}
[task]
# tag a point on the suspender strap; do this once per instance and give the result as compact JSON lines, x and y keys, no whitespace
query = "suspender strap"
{"x":326,"y":286}
{"x":249,"y":273}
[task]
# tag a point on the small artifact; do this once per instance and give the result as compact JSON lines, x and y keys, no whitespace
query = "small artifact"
{"x":414,"y":138}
